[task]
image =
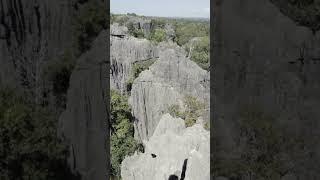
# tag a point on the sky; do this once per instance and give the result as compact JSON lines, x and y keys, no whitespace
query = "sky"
{"x":162,"y":8}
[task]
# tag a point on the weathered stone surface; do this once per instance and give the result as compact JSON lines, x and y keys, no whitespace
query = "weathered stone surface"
{"x":31,"y":34}
{"x":124,"y":52}
{"x":84,"y":122}
{"x":167,"y":82}
{"x":171,"y":145}
{"x":263,"y":59}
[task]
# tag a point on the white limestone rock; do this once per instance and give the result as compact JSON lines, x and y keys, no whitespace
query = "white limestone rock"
{"x":172,"y":143}
{"x":167,"y":82}
{"x":124,"y":51}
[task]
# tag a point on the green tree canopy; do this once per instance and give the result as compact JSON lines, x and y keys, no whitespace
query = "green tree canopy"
{"x":158,"y":35}
{"x":122,"y":138}
{"x":29,"y":147}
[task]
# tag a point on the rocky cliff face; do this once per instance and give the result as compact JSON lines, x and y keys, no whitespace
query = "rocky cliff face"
{"x":172,"y":150}
{"x":84,"y":122}
{"x":265,"y":60}
{"x":34,"y":33}
{"x":31,"y":34}
{"x":167,"y":82}
{"x":126,"y":50}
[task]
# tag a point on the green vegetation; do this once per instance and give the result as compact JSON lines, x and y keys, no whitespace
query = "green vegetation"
{"x":158,"y":35}
{"x":120,"y":19}
{"x":58,"y":72}
{"x":122,"y":140}
{"x":200,"y":52}
{"x":186,"y":30}
{"x":158,"y":23}
{"x":193,"y":110}
{"x":29,"y":148}
{"x":133,"y":31}
{"x":137,"y":68}
{"x":140,"y":66}
{"x":131,"y":14}
{"x":303,"y":12}
{"x":90,"y":19}
{"x":265,"y":150}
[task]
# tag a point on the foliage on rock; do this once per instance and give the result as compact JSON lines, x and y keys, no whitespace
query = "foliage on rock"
{"x":122,"y":140}
{"x":193,"y":110}
{"x":135,"y":32}
{"x":137,"y":68}
{"x":90,"y":19}
{"x":303,"y":12}
{"x":186,"y":30}
{"x":158,"y":35}
{"x":199,"y":51}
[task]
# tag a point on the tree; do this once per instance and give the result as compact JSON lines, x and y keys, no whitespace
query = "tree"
{"x":266,"y":146}
{"x":200,"y":50}
{"x":133,"y":31}
{"x":88,"y":23}
{"x":29,"y":147}
{"x":186,"y":30}
{"x":122,"y":138}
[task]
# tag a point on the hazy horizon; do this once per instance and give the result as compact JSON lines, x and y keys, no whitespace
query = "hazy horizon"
{"x":164,"y":8}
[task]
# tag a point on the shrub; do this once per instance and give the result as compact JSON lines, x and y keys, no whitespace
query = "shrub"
{"x":140,"y":66}
{"x":200,"y":52}
{"x":131,"y":14}
{"x":193,"y":110}
{"x":158,"y":35}
{"x":158,"y":23}
{"x":174,"y":111}
{"x":135,"y":32}
{"x":129,"y":84}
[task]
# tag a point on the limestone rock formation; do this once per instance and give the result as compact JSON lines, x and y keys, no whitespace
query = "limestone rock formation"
{"x":141,"y":23}
{"x":84,"y":122}
{"x":173,"y":149}
{"x":31,"y":34}
{"x":126,"y":50}
{"x":167,"y":82}
{"x":264,"y":59}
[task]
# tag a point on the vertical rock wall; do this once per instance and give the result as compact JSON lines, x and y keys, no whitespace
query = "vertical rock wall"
{"x":31,"y":34}
{"x":84,"y":123}
{"x":263,"y":59}
{"x":126,"y":50}
{"x":167,"y":82}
